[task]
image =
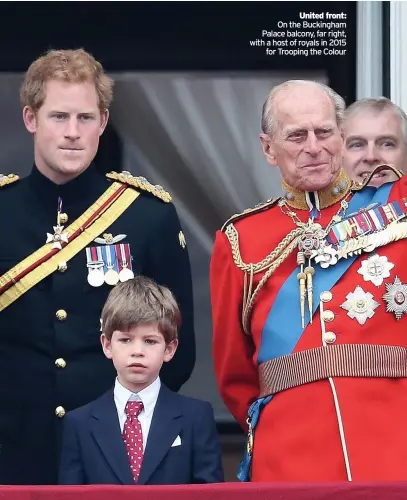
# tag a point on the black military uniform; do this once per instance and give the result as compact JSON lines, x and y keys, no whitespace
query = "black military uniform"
{"x":51,"y":360}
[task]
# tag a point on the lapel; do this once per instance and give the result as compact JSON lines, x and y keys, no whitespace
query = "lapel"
{"x":105,"y":429}
{"x":166,"y":425}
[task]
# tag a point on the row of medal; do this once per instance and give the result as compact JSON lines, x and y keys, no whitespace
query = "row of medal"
{"x":109,"y":264}
{"x":361,"y":305}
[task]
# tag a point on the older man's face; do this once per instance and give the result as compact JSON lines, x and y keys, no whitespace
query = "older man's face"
{"x":307,"y":144}
{"x":371,"y":139}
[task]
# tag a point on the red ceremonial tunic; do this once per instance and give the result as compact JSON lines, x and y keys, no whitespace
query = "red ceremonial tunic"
{"x":298,"y":436}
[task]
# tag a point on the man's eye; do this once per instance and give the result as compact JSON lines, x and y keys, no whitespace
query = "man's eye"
{"x":354,"y":145}
{"x":296,"y":136}
{"x":324,"y":132}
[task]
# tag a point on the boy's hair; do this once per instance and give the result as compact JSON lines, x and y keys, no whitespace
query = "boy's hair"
{"x":75,"y":66}
{"x":141,"y":301}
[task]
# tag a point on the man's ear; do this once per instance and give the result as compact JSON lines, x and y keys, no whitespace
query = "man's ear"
{"x":268,"y":149}
{"x":30,"y":119}
{"x":103,"y":121}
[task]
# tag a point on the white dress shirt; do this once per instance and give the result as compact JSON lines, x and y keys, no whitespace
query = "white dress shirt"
{"x":148,"y":396}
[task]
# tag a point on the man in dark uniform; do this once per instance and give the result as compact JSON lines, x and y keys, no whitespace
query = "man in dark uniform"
{"x":69,"y":234}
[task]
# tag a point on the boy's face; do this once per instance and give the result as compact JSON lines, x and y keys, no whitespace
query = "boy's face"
{"x":138,"y":355}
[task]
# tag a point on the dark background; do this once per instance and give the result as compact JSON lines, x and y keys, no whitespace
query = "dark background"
{"x":145,"y":36}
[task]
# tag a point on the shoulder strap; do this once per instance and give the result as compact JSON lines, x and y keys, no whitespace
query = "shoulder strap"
{"x":6,"y":179}
{"x":140,"y":183}
{"x":249,"y":211}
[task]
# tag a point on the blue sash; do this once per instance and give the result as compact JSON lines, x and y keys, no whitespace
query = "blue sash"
{"x":283,"y":329}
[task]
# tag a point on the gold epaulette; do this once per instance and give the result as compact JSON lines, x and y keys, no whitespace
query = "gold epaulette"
{"x":140,"y":183}
{"x":258,"y":208}
{"x":8,"y":179}
{"x":358,"y":186}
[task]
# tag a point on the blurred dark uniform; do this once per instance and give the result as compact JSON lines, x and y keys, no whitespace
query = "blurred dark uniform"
{"x":51,"y":360}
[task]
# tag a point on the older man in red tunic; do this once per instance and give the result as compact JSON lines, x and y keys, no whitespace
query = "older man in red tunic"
{"x":309,"y":300}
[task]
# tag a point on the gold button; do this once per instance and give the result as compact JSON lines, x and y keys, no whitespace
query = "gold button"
{"x":60,"y":412}
{"x":60,"y":363}
{"x":63,"y":218}
{"x":326,"y":296}
{"x":62,"y":267}
{"x":329,"y":337}
{"x":61,"y":315}
{"x":328,"y":316}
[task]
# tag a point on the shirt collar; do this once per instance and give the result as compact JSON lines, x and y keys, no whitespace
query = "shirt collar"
{"x":148,"y":396}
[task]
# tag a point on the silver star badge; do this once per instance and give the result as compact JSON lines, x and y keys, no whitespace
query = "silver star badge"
{"x":58,"y":237}
{"x":360,"y":305}
{"x":375,"y":269}
{"x":396,"y":298}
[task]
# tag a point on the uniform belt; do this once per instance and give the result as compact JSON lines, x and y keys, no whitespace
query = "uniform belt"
{"x":347,"y":360}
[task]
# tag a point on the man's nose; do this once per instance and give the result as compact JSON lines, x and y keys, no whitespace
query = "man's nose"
{"x":312,"y":145}
{"x":371,"y":154}
{"x":72,"y":129}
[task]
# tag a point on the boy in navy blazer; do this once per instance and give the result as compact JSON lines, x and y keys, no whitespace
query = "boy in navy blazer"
{"x":140,"y":432}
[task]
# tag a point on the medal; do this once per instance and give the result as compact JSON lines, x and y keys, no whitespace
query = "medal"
{"x":126,"y":274}
{"x":396,"y":298}
{"x":111,"y":275}
{"x":375,"y":269}
{"x":124,"y":258}
{"x":60,"y":236}
{"x":96,"y":277}
{"x":95,"y":266}
{"x":360,"y":305}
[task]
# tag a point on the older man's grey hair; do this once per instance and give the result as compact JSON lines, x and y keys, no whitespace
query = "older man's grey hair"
{"x":268,"y":121}
{"x":378,"y":105}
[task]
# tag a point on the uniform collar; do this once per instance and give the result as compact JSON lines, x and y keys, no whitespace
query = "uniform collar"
{"x":302,"y":200}
{"x":82,"y":188}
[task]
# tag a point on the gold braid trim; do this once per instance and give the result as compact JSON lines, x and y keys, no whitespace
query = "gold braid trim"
{"x":8,"y":179}
{"x":270,"y":263}
{"x":258,"y":208}
{"x":358,"y":186}
{"x":140,"y":183}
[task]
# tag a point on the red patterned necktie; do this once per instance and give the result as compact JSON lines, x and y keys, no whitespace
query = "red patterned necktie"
{"x":133,"y":437}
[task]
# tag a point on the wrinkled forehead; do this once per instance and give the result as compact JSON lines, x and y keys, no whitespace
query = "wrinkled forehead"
{"x":303,"y":107}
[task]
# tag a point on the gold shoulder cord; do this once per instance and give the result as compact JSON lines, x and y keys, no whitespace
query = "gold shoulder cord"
{"x":270,"y":263}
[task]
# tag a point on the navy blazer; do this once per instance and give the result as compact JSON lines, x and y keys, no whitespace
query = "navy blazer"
{"x":93,"y":450}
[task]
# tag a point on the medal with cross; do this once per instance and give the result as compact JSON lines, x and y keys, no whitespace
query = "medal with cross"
{"x":375,"y":269}
{"x":60,"y":236}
